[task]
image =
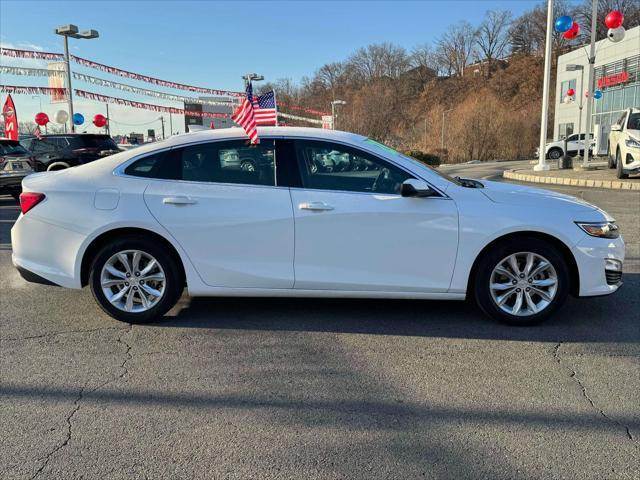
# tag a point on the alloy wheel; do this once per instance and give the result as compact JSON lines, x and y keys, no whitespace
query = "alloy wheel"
{"x":523,"y":284}
{"x":133,"y":281}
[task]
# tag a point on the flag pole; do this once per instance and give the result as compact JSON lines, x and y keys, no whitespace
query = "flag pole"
{"x":542,"y":154}
{"x":275,"y":104}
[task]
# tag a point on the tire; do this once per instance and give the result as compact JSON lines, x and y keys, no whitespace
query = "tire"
{"x":247,"y":166}
{"x":487,"y":297}
{"x":555,"y":154}
{"x":611,"y":163}
{"x":170,"y":288}
{"x":619,"y":170}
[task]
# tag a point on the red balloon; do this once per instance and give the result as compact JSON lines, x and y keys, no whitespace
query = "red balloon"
{"x":99,"y":120}
{"x":571,"y":92}
{"x":614,"y":19}
{"x":572,"y":32}
{"x":42,"y":119}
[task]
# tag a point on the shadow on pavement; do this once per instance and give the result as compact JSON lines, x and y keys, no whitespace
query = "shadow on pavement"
{"x":601,"y":319}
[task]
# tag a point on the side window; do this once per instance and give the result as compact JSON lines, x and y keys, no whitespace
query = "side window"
{"x":220,"y":162}
{"x":572,"y":138}
{"x":329,"y":166}
{"x":41,"y":146}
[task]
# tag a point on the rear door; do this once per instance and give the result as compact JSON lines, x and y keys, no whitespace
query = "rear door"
{"x":235,"y":224}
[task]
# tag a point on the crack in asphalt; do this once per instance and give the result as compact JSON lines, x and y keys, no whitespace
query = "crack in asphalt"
{"x":76,"y":407}
{"x":63,"y":332}
{"x":585,"y":394}
{"x":83,"y":392}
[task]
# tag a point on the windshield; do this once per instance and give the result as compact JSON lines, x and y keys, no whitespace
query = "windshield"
{"x":12,"y":149}
{"x":388,"y":149}
{"x":634,"y":121}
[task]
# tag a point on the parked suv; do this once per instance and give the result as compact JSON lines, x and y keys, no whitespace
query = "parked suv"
{"x":555,"y":150}
{"x":15,"y":164}
{"x":59,"y":151}
{"x":624,"y":144}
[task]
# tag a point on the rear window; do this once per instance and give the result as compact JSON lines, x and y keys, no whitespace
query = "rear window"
{"x":218,"y":162}
{"x":12,"y":148}
{"x":99,"y":142}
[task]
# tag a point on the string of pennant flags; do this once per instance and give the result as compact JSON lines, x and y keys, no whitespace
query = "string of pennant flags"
{"x":234,"y":97}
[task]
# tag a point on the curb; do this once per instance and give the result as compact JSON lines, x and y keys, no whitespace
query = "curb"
{"x":574,"y":182}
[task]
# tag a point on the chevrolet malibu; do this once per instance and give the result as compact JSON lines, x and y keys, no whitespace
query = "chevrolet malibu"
{"x":140,"y":226}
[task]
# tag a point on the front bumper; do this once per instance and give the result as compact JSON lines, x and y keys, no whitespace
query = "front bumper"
{"x":597,"y":276}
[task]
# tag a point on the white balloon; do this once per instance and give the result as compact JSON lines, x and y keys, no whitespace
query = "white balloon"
{"x":61,"y":116}
{"x":616,"y":34}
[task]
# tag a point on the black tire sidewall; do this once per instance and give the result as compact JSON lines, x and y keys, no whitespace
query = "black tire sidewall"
{"x":174,"y":281}
{"x":619,"y":168}
{"x":491,"y":258}
{"x":552,"y":151}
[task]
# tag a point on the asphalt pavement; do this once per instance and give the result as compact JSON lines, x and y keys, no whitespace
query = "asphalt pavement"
{"x":326,"y":389}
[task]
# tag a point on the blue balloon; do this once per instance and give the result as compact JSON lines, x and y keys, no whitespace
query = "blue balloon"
{"x":78,"y":119}
{"x":597,"y":94}
{"x":563,"y":23}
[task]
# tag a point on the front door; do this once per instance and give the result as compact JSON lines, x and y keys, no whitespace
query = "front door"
{"x":220,"y":202}
{"x":353,"y":230}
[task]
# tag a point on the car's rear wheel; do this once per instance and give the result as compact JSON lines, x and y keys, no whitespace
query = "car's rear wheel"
{"x":555,"y":153}
{"x":619,"y":167}
{"x":135,"y":280}
{"x":521,"y":282}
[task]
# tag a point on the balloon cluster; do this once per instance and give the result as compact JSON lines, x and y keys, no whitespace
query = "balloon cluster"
{"x":61,"y":116}
{"x":613,"y":21}
{"x":567,"y":27}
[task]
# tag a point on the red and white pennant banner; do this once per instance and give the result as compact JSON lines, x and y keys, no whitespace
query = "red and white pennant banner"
{"x":17,"y":90}
{"x":16,"y":53}
{"x":146,"y":106}
{"x":156,"y":81}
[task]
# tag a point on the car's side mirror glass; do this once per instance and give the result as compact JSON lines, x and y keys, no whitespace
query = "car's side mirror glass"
{"x":416,"y":188}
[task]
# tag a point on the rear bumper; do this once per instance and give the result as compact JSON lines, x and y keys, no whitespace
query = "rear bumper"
{"x":596,"y":274}
{"x":29,"y":276}
{"x":46,"y":251}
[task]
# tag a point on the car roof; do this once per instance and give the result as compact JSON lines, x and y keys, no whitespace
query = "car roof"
{"x":293,"y":132}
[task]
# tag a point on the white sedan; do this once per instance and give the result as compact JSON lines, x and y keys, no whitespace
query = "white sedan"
{"x":139,"y":226}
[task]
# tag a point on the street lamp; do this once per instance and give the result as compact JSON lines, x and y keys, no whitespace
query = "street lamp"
{"x":250,"y":77}
{"x":572,"y":67}
{"x":334,"y":117}
{"x":72,"y":31}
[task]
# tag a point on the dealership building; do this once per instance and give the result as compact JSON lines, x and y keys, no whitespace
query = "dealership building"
{"x":221,"y":105}
{"x":617,"y":76}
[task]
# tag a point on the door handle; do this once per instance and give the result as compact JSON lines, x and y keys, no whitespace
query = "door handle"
{"x":315,"y":206}
{"x":178,"y":200}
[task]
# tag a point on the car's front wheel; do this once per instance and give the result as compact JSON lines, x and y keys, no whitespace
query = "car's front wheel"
{"x":555,"y":153}
{"x":611,"y":163}
{"x":521,"y":282}
{"x":619,"y":168}
{"x":135,"y":280}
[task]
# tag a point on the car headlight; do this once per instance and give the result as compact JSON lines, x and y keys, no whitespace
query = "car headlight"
{"x":600,"y":229}
{"x":632,"y":143}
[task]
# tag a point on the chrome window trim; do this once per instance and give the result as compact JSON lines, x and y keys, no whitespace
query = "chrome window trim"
{"x":119,"y":170}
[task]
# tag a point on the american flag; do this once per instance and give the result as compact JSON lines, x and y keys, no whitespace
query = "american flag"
{"x":265,"y":108}
{"x":245,"y":116}
{"x":38,"y":133}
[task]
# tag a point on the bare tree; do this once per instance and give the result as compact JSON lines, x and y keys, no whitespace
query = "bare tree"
{"x":629,"y":8}
{"x":492,"y":36}
{"x":527,"y":34}
{"x":378,"y":61}
{"x":456,"y":47}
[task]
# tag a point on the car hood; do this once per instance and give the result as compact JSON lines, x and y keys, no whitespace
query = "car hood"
{"x":519,"y":195}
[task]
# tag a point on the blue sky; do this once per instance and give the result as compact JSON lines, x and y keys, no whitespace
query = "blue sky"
{"x":211,"y":44}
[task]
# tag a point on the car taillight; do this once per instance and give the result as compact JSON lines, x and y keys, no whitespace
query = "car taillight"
{"x":28,"y":200}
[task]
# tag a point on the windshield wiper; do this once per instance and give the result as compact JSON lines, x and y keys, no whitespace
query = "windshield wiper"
{"x":469,"y":183}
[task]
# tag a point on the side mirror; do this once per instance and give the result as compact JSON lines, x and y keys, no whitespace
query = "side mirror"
{"x":615,"y":127}
{"x":416,"y":188}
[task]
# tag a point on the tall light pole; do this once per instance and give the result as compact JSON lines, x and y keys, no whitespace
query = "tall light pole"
{"x":542,"y":165}
{"x":251,"y":77}
{"x":591,"y":80}
{"x":334,"y":117}
{"x":442,"y":130}
{"x":572,"y":67}
{"x":72,"y":31}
